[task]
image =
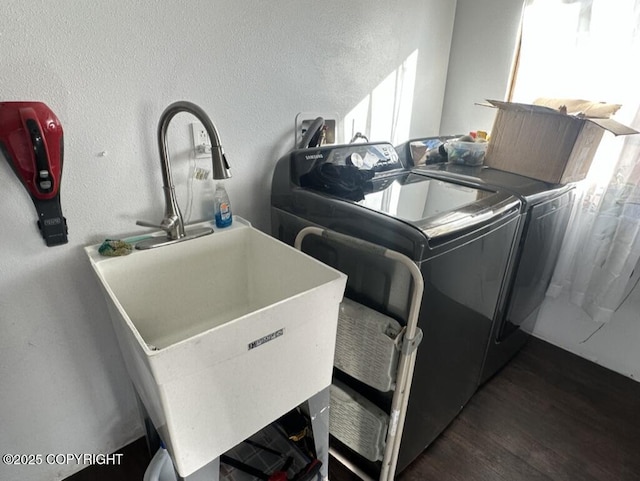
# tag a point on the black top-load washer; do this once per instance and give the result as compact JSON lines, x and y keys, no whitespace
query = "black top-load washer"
{"x":546,"y":211}
{"x":460,"y":235}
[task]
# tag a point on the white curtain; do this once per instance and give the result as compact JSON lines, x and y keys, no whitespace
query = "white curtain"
{"x":590,"y":49}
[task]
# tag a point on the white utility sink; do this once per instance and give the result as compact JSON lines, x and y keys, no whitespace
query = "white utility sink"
{"x":221,"y":334}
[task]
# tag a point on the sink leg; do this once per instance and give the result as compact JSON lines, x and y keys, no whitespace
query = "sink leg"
{"x":152,"y":436}
{"x":209,"y":472}
{"x":319,"y":413}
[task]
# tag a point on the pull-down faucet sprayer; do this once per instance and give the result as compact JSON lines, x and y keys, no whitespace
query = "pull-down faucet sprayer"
{"x":173,"y":223}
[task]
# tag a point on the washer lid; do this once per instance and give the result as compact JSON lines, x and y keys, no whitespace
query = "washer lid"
{"x":437,"y":207}
{"x":531,"y":191}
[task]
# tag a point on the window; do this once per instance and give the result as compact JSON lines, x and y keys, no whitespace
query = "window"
{"x":589,"y":49}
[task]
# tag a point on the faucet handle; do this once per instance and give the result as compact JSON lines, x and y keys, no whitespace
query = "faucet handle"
{"x":173,"y":226}
{"x":144,"y":223}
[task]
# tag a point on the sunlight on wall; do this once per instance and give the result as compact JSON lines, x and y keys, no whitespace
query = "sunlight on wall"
{"x":384,"y":114}
{"x":383,"y":100}
{"x":357,"y":120}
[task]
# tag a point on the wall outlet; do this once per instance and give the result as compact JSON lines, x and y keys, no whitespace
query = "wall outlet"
{"x":305,"y":119}
{"x":201,"y":141}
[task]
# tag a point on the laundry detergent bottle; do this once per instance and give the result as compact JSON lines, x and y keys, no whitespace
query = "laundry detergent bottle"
{"x":222,"y":206}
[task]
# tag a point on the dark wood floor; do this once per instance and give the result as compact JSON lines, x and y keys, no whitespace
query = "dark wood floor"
{"x":134,"y":461}
{"x":549,"y":415}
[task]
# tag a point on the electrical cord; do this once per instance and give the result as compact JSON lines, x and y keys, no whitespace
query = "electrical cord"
{"x":628,"y":294}
{"x":358,"y":135}
{"x":312,"y":136}
{"x":192,"y":174}
{"x":592,"y":334}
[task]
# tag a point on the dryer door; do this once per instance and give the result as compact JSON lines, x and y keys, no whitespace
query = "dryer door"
{"x":543,"y":236}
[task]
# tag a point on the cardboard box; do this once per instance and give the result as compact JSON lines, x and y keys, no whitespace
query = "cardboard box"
{"x":554,"y":142}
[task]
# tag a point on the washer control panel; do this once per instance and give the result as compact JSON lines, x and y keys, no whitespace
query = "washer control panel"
{"x":376,"y":157}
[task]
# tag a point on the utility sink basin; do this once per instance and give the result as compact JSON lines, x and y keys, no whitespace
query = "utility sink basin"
{"x":221,"y":334}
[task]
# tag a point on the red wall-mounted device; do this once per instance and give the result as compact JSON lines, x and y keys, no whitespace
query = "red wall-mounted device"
{"x":31,"y":141}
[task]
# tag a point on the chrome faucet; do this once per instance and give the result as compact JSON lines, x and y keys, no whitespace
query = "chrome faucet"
{"x":173,"y":224}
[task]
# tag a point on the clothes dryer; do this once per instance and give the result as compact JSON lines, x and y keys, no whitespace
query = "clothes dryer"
{"x":546,"y":209}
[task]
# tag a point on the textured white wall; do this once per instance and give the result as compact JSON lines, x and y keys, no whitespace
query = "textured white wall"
{"x":108,"y":70}
{"x":613,"y":345}
{"x":482,"y":51}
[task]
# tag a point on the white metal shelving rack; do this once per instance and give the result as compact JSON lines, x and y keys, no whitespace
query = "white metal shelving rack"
{"x":411,"y":338}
